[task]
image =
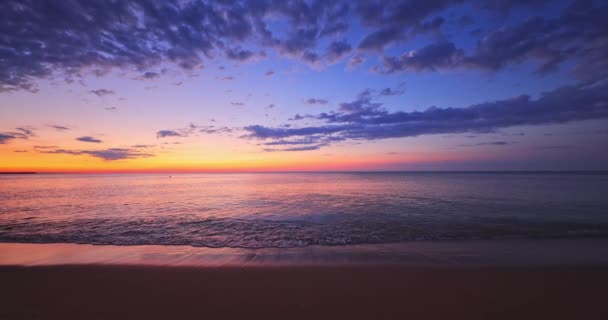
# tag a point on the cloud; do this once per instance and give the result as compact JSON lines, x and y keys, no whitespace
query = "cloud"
{"x":143,"y":146}
{"x":227,"y":78}
{"x":192,"y":129}
{"x":5,"y":137}
{"x":110,"y":108}
{"x":24,"y":133}
{"x":378,"y":39}
{"x":110,"y":154}
{"x":504,"y":6}
{"x":391,"y":92}
{"x":169,"y":133}
{"x":306,"y":148}
{"x":150,"y":75}
{"x":88,"y":139}
{"x":465,"y":21}
{"x":492,"y":143}
{"x":316,"y":101}
{"x":363,"y":119}
{"x":269,"y":73}
{"x":59,"y":128}
{"x":557,"y":147}
{"x":237,"y":104}
{"x":28,"y":131}
{"x":101,"y":92}
{"x":398,"y":20}
{"x":239,"y":54}
{"x":336,"y":50}
{"x":431,"y":57}
{"x":213,"y":129}
{"x":313,"y":142}
{"x":576,"y":35}
{"x":355,"y":61}
{"x":69,"y":39}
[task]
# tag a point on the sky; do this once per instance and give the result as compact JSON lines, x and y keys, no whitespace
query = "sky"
{"x":292,"y":85}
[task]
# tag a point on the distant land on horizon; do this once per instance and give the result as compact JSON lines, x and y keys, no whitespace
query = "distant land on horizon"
{"x":19,"y":172}
{"x":331,"y":172}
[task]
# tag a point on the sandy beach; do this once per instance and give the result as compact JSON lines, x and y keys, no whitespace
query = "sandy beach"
{"x":511,"y":279}
{"x":322,"y":292}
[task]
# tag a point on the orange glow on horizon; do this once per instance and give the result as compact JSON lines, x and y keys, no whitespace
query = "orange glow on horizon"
{"x":45,"y":163}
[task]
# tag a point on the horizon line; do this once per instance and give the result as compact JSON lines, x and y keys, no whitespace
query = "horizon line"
{"x":311,"y":171}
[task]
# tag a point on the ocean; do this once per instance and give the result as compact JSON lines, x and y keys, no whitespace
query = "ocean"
{"x":284,"y":210}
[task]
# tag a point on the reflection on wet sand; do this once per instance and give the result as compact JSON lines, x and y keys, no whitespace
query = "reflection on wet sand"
{"x":423,"y":253}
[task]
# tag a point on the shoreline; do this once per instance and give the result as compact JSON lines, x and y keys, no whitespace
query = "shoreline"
{"x":498,"y":279}
{"x":462,"y":253}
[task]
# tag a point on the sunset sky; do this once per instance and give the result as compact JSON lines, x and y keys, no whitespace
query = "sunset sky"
{"x":122,"y":86}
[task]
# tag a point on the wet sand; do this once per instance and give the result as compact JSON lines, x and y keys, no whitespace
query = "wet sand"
{"x":477,"y":253}
{"x":511,"y":279}
{"x":321,"y":292}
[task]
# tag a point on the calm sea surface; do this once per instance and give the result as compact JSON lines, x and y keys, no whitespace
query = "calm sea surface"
{"x":299,"y":209}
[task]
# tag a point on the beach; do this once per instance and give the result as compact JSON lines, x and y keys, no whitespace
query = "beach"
{"x":474,"y":280}
{"x":320,"y":292}
{"x":304,"y":246}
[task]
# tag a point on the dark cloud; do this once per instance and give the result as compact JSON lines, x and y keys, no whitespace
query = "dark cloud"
{"x":24,"y":133}
{"x":269,"y":73}
{"x":431,"y":57}
{"x":239,"y":54}
{"x":5,"y":137}
{"x":363,"y":119}
{"x":362,"y":104}
{"x":398,"y":20}
{"x":150,"y":75}
{"x":101,"y":92}
{"x":227,"y":78}
{"x":310,"y":57}
{"x":43,"y":39}
{"x":491,"y":143}
{"x":504,"y":6}
{"x":380,"y":38}
{"x":305,"y":148}
{"x":465,"y":21}
{"x":297,"y":117}
{"x":557,"y":147}
{"x":111,"y":108}
{"x":192,"y":129}
{"x":336,"y":50}
{"x":59,"y":128}
{"x":237,"y":104}
{"x":313,"y":142}
{"x":110,"y":154}
{"x":398,"y":12}
{"x":169,"y":133}
{"x":577,"y":35}
{"x":213,"y":129}
{"x":355,"y":61}
{"x":20,"y":151}
{"x":316,"y":101}
{"x":143,"y":146}
{"x":88,"y":139}
{"x":392,"y":92}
